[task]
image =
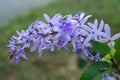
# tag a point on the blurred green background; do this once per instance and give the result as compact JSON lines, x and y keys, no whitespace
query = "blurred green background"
{"x":58,"y":65}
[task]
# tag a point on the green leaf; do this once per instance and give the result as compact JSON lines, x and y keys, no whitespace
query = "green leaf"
{"x":81,"y":63}
{"x":100,"y":48}
{"x":94,"y":72}
{"x":117,"y":54}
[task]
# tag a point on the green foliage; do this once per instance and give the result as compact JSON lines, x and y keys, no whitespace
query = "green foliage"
{"x":100,"y":48}
{"x":110,"y":55}
{"x":94,"y":71}
{"x":81,"y":63}
{"x":117,"y":54}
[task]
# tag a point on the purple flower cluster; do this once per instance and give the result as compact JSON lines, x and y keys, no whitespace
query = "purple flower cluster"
{"x":61,"y":31}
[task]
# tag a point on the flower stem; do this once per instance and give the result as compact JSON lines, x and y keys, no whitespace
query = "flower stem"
{"x":115,"y":65}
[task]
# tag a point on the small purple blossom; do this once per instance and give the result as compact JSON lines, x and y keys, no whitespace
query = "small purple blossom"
{"x":50,"y":42}
{"x":65,"y":30}
{"x":95,"y":58}
{"x":16,"y":52}
{"x":80,"y":17}
{"x":107,"y":77}
{"x":54,"y":22}
{"x":82,"y":46}
{"x":23,"y":37}
{"x":109,"y":39}
{"x":38,"y":43}
{"x":94,"y":30}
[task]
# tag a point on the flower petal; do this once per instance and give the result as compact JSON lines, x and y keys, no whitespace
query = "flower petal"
{"x":40,"y":51}
{"x":85,"y":51}
{"x":107,"y":77}
{"x":102,"y":34}
{"x":86,"y":28}
{"x":24,"y":56}
{"x":107,"y":30}
{"x":47,"y":18}
{"x":90,"y":25}
{"x":69,"y":17}
{"x":34,"y":47}
{"x":85,"y":19}
{"x":95,"y":24}
{"x":101,"y":25}
{"x":116,"y":36}
{"x":96,"y":37}
{"x":81,"y":16}
{"x":58,"y":35}
{"x":52,"y":47}
{"x":86,"y":41}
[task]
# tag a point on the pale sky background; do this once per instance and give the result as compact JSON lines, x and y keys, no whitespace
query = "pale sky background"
{"x":11,"y":8}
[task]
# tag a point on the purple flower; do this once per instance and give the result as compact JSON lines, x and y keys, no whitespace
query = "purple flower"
{"x":65,"y":30}
{"x":82,"y":46}
{"x":50,"y":42}
{"x":23,"y":37}
{"x":16,"y":52}
{"x":61,"y":43}
{"x":38,"y":43}
{"x":94,"y":58}
{"x":37,"y":28}
{"x":107,"y":77}
{"x":110,"y":40}
{"x":54,"y":22}
{"x":80,"y":17}
{"x":94,"y":30}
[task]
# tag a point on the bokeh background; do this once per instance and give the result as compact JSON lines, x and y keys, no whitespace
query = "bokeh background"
{"x":63,"y":65}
